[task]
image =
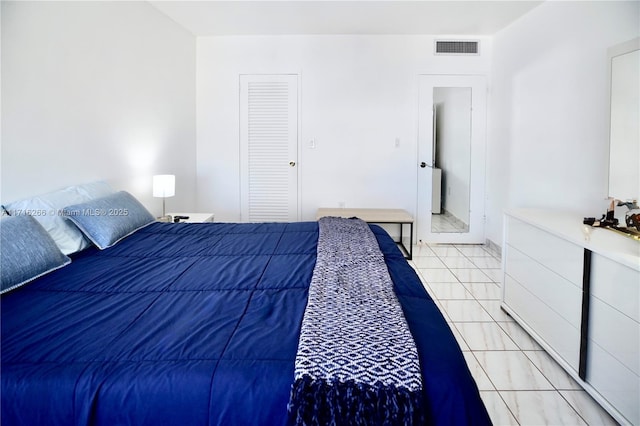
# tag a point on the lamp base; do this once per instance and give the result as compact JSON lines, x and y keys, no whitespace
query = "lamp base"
{"x":166,"y":218}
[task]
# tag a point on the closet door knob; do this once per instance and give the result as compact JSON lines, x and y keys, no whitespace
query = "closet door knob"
{"x":292,"y":163}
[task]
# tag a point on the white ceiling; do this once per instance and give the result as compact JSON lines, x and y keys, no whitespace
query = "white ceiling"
{"x":267,"y":17}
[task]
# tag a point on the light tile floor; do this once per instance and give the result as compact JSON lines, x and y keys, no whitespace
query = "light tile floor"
{"x":518,"y":381}
{"x":446,"y":222}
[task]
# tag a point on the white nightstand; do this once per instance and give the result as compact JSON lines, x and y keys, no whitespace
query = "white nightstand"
{"x":194,"y":217}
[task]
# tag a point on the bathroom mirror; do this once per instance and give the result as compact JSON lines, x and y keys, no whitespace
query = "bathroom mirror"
{"x":624,"y":130}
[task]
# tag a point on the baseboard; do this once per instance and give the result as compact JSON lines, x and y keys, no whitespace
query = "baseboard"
{"x":494,"y":248}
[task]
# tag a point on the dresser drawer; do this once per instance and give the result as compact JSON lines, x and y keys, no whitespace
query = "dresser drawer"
{"x":616,"y":285}
{"x":549,"y":326}
{"x":615,"y":382}
{"x":560,"y":295}
{"x":557,"y":254}
{"x":618,"y":334}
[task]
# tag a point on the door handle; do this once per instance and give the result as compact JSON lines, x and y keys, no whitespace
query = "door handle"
{"x":423,"y":165}
{"x":292,"y":163}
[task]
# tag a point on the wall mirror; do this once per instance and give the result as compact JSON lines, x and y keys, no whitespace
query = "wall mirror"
{"x":451,"y":158}
{"x":624,"y":130}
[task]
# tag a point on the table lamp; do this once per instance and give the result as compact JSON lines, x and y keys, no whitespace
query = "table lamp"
{"x":164,"y":186}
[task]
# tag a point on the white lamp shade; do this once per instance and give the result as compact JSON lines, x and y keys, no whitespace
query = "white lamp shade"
{"x":164,"y":185}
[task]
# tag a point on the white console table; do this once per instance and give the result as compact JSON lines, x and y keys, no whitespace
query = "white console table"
{"x":576,"y":291}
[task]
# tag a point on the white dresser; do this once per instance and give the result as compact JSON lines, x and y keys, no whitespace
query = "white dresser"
{"x":576,"y":290}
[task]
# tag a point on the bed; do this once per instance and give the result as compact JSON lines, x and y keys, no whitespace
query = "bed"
{"x":194,"y":324}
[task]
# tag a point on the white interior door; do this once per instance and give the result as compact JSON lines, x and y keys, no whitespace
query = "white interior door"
{"x":269,"y":148}
{"x":462,"y":171}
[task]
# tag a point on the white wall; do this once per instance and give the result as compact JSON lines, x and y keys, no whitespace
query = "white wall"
{"x":106,"y":90}
{"x":96,"y":90}
{"x":358,"y":94}
{"x":548,"y":135}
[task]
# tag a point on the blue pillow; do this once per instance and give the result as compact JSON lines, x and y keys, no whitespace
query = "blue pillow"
{"x":45,"y":209}
{"x":27,"y":251}
{"x":107,"y":220}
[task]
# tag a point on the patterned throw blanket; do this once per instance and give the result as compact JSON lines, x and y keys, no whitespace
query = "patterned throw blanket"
{"x":357,"y":362}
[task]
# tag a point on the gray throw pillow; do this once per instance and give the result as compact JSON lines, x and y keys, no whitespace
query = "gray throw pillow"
{"x":27,"y":252}
{"x":107,"y":220}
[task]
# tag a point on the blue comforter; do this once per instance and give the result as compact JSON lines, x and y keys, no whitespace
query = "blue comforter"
{"x":193,"y":324}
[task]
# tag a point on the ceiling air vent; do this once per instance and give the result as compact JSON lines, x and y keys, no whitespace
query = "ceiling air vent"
{"x":457,"y":47}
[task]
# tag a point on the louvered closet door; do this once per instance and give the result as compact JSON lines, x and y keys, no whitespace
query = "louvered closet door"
{"x":269,"y":147}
